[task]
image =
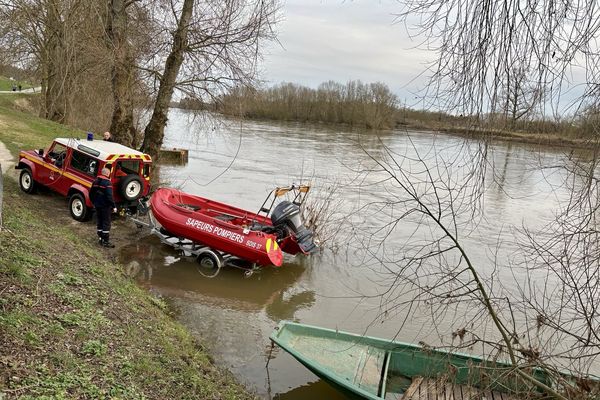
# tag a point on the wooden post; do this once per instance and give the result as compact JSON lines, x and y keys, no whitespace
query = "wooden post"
{"x":177,"y":156}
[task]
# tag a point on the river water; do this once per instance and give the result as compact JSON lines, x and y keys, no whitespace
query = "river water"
{"x":239,"y":163}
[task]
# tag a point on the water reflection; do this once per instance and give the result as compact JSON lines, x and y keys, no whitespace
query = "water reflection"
{"x":171,"y":274}
{"x":308,"y":391}
{"x":285,"y":308}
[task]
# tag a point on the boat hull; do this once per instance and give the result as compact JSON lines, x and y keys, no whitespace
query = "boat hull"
{"x":216,"y":225}
{"x":373,"y":368}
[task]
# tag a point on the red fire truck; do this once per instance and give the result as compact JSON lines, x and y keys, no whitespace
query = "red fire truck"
{"x":69,"y":166}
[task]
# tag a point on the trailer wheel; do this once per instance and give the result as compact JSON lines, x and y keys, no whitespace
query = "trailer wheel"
{"x":209,"y":263}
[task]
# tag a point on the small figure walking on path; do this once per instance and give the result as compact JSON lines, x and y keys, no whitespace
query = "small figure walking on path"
{"x":101,"y":195}
{"x":20,"y":87}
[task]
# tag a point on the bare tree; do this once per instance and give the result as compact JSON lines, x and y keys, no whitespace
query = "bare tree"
{"x":122,"y":71}
{"x":40,"y":33}
{"x":566,"y":252}
{"x":97,"y":59}
{"x":61,"y":44}
{"x":521,"y":97}
{"x":215,"y":45}
{"x":321,"y":214}
{"x":490,"y":57}
{"x":551,"y":323}
{"x":479,"y":43}
{"x":154,"y":132}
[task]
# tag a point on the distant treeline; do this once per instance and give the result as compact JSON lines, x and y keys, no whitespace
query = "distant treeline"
{"x":368,"y":105}
{"x":374,"y":106}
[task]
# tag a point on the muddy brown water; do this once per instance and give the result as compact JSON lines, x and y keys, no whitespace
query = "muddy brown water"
{"x":238,"y":163}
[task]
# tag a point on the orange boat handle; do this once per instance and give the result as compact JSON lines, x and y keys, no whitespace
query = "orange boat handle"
{"x":227,"y":224}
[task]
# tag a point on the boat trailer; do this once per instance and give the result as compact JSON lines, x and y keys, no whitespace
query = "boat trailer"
{"x":209,"y":259}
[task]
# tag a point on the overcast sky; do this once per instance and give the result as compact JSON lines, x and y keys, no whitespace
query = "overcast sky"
{"x":342,"y":40}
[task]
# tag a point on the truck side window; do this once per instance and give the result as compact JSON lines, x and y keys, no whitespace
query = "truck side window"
{"x":57,"y":154}
{"x":84,"y":163}
{"x":130,"y":166}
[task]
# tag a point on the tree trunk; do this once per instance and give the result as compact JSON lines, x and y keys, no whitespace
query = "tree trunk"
{"x":43,"y":91}
{"x":515,"y":105}
{"x":154,"y":132}
{"x":121,"y":125}
{"x":55,"y":105}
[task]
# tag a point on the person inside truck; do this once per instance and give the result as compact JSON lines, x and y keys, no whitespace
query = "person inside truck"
{"x":58,"y":158}
{"x":57,"y":154}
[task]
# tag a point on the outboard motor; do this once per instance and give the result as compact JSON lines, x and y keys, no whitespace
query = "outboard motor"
{"x":287,"y":215}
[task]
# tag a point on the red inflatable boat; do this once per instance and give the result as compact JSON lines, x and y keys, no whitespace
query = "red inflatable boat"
{"x":252,"y":237}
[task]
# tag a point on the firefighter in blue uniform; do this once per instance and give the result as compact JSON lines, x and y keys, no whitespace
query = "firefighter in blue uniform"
{"x":101,"y":195}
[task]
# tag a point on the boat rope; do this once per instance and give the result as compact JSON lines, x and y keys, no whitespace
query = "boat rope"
{"x":269,"y":356}
{"x":220,"y":174}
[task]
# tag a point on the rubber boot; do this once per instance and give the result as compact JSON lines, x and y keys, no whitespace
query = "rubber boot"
{"x":106,"y":241}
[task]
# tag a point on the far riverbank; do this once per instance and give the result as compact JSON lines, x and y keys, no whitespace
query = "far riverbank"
{"x":451,"y":127}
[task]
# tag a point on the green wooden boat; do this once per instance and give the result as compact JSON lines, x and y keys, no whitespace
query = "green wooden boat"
{"x":373,"y":368}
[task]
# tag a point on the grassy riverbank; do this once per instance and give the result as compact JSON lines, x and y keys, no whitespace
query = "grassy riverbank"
{"x":7,"y":84}
{"x":72,"y":325}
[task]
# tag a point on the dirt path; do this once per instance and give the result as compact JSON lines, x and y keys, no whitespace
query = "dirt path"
{"x":30,"y":90}
{"x":6,"y":159}
{"x":6,"y":163}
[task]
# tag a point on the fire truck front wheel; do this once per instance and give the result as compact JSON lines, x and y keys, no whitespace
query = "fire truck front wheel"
{"x":26,"y":181}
